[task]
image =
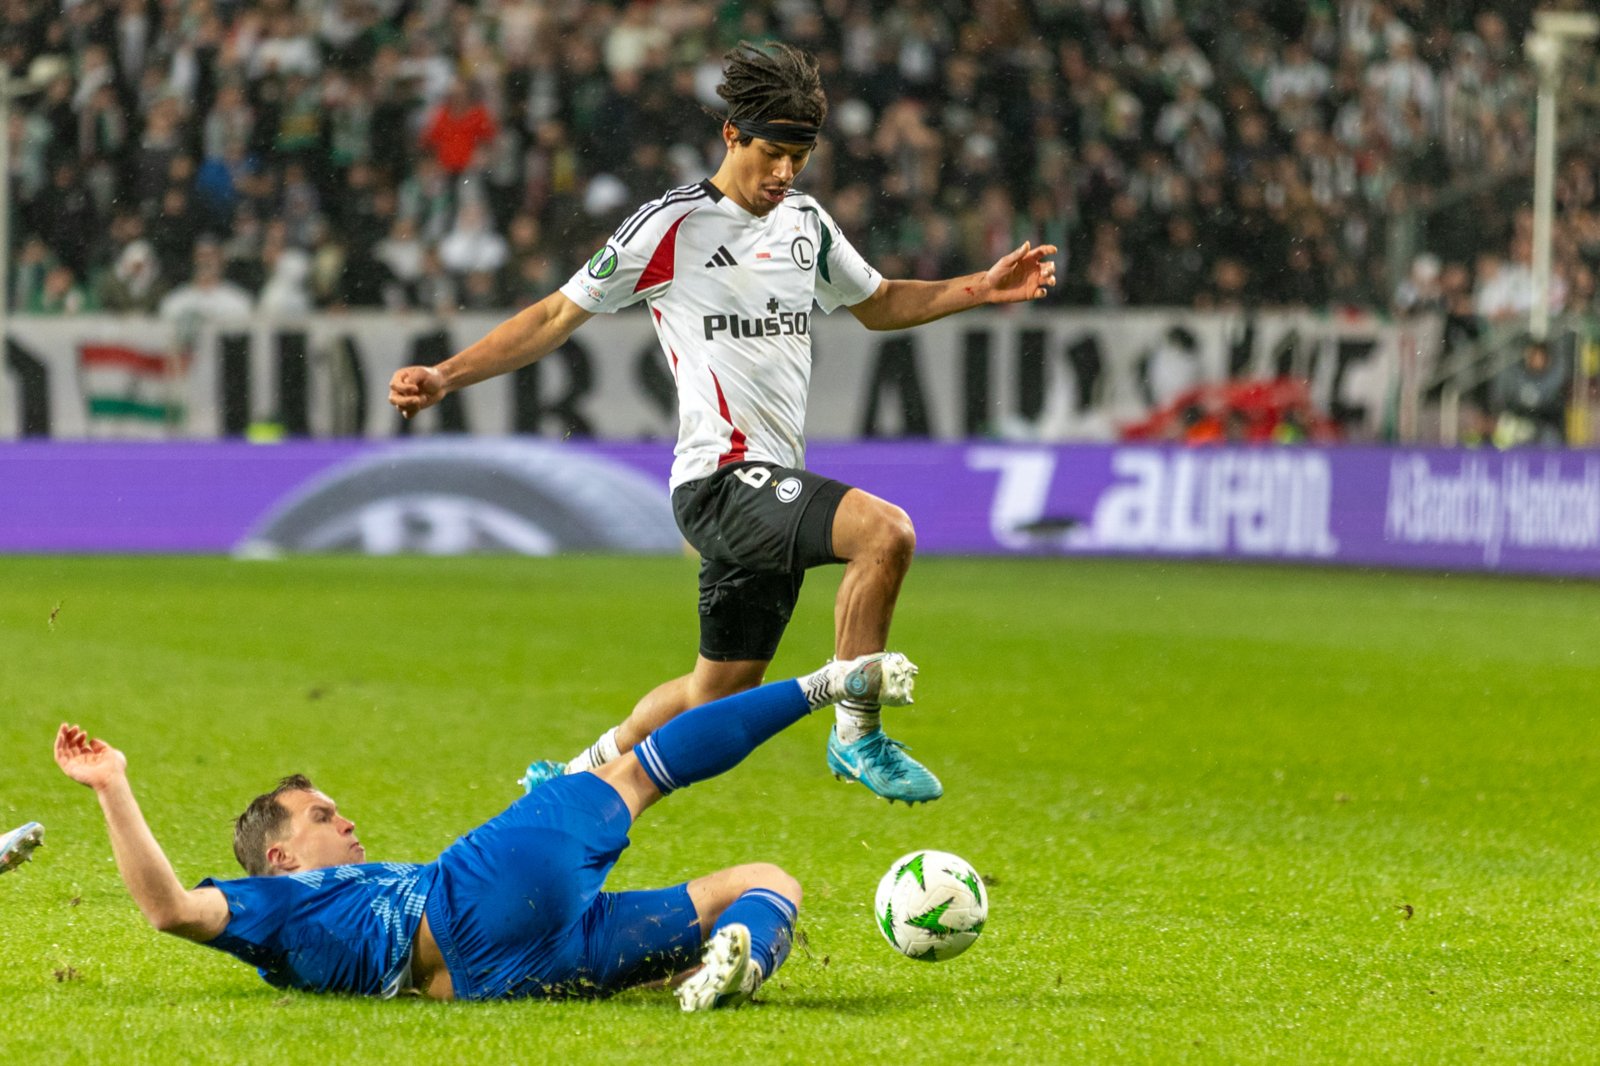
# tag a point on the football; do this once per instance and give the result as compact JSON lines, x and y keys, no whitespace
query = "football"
{"x":931,"y":905}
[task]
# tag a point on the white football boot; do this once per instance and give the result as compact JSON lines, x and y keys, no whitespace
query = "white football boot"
{"x":726,"y":977}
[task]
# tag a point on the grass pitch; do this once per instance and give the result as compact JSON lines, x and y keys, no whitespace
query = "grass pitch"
{"x":1227,"y":813}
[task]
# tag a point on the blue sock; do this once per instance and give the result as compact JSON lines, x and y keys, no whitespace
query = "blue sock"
{"x":770,"y":919}
{"x":715,"y":737}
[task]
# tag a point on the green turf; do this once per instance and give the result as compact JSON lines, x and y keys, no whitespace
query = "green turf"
{"x":1228,"y":813}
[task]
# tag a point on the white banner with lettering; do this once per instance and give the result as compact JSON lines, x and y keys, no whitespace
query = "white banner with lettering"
{"x":1014,"y":374}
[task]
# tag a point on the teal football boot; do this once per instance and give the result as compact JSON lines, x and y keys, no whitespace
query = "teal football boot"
{"x":883,"y":766}
{"x":540,"y":771}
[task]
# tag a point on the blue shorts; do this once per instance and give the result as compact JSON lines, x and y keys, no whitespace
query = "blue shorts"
{"x":518,"y":910}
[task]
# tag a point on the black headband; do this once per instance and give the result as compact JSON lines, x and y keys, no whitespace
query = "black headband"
{"x":777,"y":132}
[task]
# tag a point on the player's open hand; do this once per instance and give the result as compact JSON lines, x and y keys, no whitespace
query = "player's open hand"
{"x":1024,"y":274}
{"x":415,"y":388}
{"x":88,"y":760}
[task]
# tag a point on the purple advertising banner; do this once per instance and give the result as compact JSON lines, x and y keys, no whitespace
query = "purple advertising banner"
{"x":1522,"y":512}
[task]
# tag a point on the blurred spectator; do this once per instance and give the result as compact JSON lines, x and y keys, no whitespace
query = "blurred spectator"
{"x":351,"y":113}
{"x":535,"y":276}
{"x":1175,"y":269}
{"x":297,"y":128}
{"x":480,"y":291}
{"x":65,"y":216}
{"x":230,"y":123}
{"x":1296,"y":86}
{"x":160,"y":143}
{"x":285,"y":291}
{"x":364,"y":281}
{"x":29,"y":270}
{"x":434,"y":290}
{"x":1402,"y":80}
{"x":1530,"y":399}
{"x":458,"y":128}
{"x":331,"y":266}
{"x":217,"y":185}
{"x":60,"y":294}
{"x":636,"y":40}
{"x":1505,"y":286}
{"x":471,"y":245}
{"x":423,"y":65}
{"x":1106,"y":272}
{"x":428,"y":198}
{"x":103,"y":131}
{"x":241,"y":252}
{"x":402,"y":251}
{"x":173,"y":227}
{"x":299,"y":204}
{"x":285,"y":49}
{"x":1422,"y":290}
{"x":133,"y":284}
{"x":207,"y":296}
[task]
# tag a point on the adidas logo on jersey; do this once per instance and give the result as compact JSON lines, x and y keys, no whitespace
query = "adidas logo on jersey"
{"x":723,"y":258}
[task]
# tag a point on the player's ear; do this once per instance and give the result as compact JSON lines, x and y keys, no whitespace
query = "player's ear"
{"x":730,"y":135}
{"x":279,"y":860}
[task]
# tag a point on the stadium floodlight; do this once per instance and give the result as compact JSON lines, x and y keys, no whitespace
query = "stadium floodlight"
{"x":1546,"y":47}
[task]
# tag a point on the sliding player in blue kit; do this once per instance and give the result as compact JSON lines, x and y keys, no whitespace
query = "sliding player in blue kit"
{"x":730,"y":269}
{"x":516,"y":907}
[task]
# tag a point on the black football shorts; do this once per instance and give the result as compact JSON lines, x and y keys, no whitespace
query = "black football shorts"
{"x":758,"y":528}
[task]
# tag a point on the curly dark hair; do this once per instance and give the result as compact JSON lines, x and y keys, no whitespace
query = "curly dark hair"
{"x":264,"y":823}
{"x":769,"y":82}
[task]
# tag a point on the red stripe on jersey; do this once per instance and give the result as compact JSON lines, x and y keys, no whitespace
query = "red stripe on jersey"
{"x":736,"y":445}
{"x":672,"y":354}
{"x":659,"y":269}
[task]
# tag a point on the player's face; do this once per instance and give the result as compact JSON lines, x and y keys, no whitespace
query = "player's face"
{"x":319,"y":835}
{"x":763,"y":170}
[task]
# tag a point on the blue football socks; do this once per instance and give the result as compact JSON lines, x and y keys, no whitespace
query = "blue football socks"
{"x":715,"y":737}
{"x":770,"y":919}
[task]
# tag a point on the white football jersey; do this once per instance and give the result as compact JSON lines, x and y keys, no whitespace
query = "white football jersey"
{"x":731,"y":298}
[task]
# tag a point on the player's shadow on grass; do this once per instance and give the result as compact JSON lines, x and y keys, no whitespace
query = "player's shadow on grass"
{"x":865,"y":1006}
{"x":895,"y":1002}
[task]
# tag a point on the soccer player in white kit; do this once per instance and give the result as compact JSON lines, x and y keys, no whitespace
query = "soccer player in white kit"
{"x":730,"y":269}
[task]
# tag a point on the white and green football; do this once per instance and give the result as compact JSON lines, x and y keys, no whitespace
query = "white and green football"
{"x":931,"y":905}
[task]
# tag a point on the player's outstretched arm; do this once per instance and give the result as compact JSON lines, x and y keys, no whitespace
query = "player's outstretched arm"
{"x":1026,"y":273}
{"x":199,"y":914}
{"x":525,"y":337}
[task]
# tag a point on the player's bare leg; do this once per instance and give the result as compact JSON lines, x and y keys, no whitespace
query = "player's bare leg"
{"x":710,"y":680}
{"x":877,"y":542}
{"x":663,"y":703}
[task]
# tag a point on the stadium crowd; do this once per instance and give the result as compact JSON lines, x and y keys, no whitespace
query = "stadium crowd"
{"x":216,"y":154}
